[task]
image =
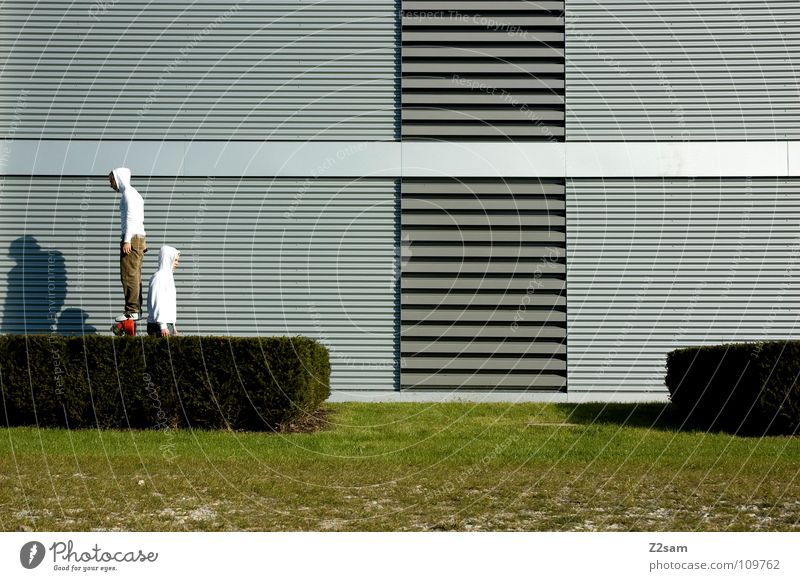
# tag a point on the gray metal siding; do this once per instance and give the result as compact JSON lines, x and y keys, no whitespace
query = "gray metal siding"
{"x":199,"y":69}
{"x":655,"y":264}
{"x":483,"y":70}
{"x":260,"y":257}
{"x":681,"y":69}
{"x":483,"y":303}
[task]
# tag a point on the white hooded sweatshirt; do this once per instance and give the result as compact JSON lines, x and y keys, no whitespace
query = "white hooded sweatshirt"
{"x":162,"y":300}
{"x":131,"y":205}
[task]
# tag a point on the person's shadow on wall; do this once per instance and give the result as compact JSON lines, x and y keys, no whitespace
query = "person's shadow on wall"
{"x":72,"y":321}
{"x":36,"y":288}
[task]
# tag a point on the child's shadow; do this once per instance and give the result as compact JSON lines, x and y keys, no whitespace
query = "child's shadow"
{"x":72,"y":321}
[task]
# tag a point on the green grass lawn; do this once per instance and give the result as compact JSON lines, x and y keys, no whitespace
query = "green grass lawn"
{"x":410,"y":467}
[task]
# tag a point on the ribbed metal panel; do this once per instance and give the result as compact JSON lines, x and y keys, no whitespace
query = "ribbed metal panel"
{"x":658,"y":264}
{"x":260,"y":257}
{"x":682,"y":69}
{"x":483,"y":297}
{"x":483,"y":70}
{"x":199,"y":69}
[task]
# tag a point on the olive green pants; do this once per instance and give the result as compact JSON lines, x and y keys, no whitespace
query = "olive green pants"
{"x":130,"y":273}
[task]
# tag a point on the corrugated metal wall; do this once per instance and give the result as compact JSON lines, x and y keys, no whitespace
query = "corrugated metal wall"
{"x":483,"y":284}
{"x":657,"y":264}
{"x":260,"y":257}
{"x":682,"y":69}
{"x":199,"y":69}
{"x":483,"y":70}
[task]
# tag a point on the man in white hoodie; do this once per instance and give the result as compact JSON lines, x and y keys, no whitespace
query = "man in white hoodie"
{"x":162,"y":299}
{"x":133,"y":244}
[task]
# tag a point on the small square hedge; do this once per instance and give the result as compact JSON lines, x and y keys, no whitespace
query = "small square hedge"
{"x":145,"y":382}
{"x":745,"y":388}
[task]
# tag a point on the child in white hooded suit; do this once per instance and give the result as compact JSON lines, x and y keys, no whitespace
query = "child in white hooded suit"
{"x":162,"y":300}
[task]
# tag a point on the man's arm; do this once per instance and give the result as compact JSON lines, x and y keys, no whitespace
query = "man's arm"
{"x":126,"y":238}
{"x":128,"y":220}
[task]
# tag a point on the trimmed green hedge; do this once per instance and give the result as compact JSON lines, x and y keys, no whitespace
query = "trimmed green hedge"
{"x":148,"y":382}
{"x":747,"y":388}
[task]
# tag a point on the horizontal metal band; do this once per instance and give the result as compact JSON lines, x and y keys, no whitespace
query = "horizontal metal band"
{"x":498,"y":395}
{"x":401,"y":159}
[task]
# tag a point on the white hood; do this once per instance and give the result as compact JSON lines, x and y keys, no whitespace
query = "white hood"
{"x":162,"y":304}
{"x":122,"y":175}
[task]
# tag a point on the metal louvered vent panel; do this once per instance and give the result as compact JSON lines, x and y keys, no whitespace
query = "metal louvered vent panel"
{"x":654,"y":265}
{"x":680,"y":69}
{"x":199,"y":70}
{"x":261,"y":257}
{"x":483,"y":284}
{"x":483,"y":70}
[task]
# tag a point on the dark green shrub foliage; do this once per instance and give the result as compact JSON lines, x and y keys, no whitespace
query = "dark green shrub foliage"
{"x":148,"y":382}
{"x":747,"y":388}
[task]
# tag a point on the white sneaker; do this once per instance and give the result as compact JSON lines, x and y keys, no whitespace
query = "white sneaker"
{"x":127,"y":316}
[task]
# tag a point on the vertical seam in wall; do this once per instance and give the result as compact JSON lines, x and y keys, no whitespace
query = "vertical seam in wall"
{"x":566,"y":83}
{"x":398,"y":287}
{"x":566,"y":289}
{"x":566,"y":204}
{"x":788,"y":167}
{"x":398,"y":22}
{"x":398,"y":199}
